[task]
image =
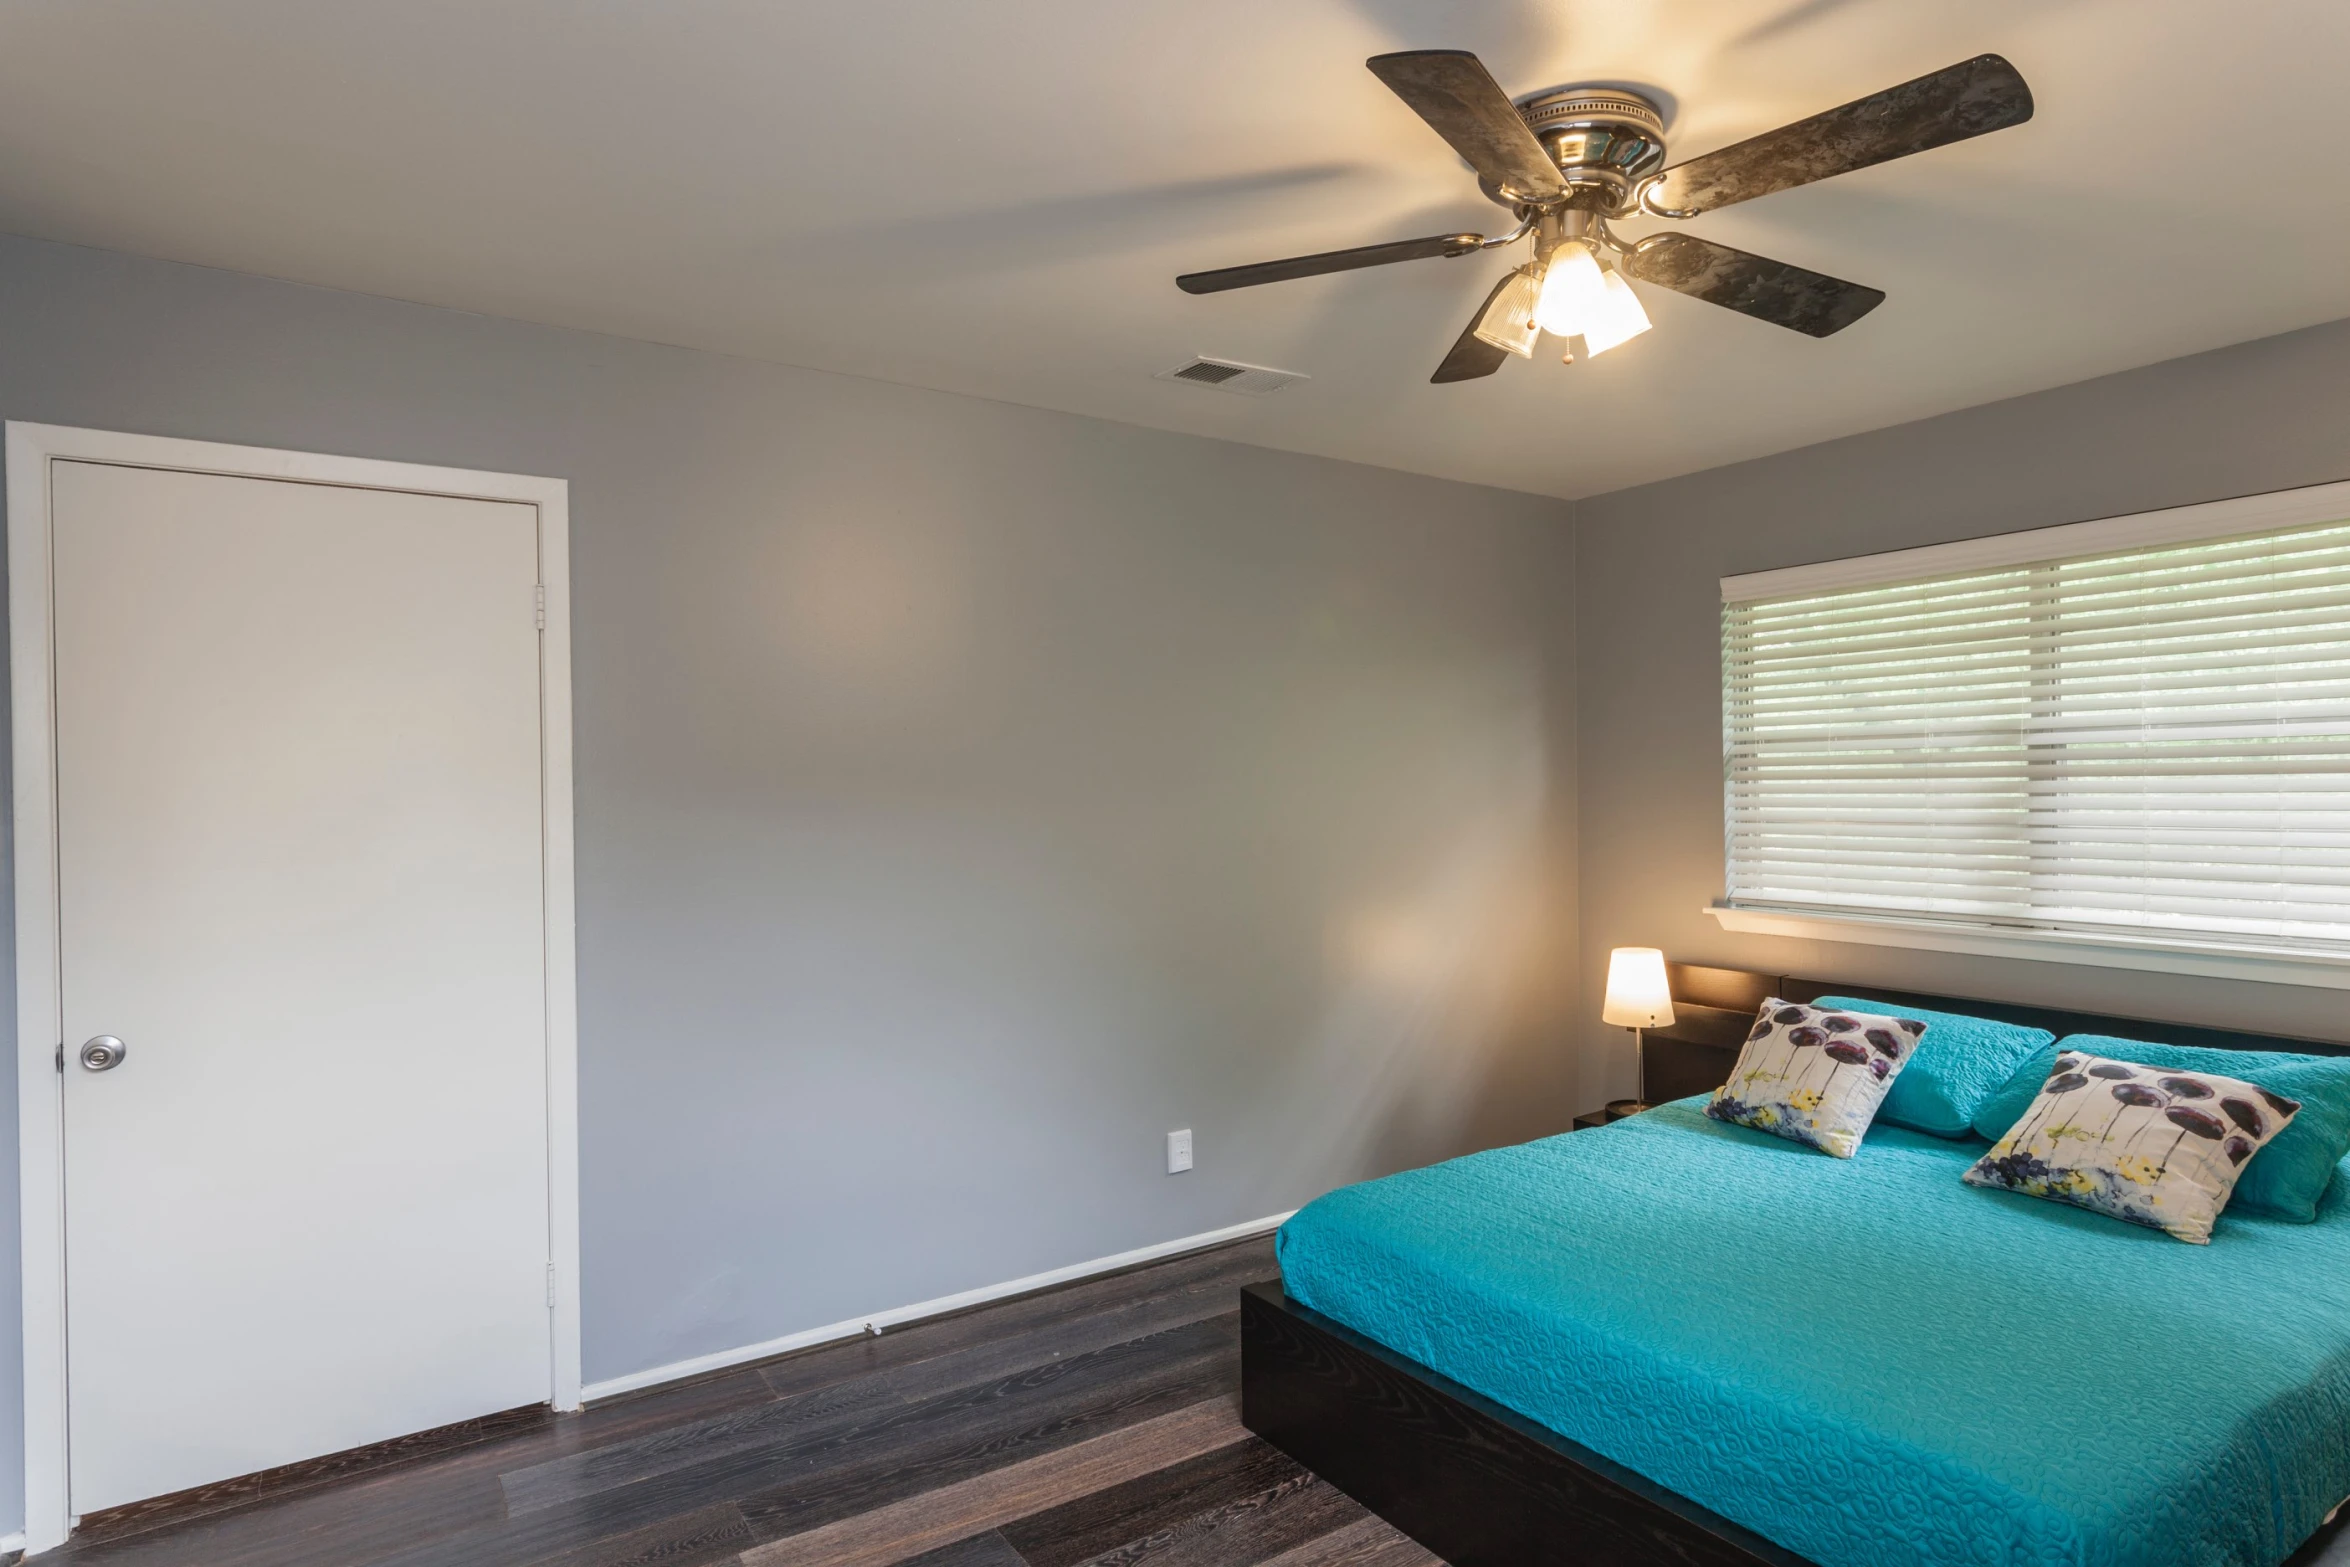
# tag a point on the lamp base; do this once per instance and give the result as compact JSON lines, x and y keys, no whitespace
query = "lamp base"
{"x":1617,"y":1109}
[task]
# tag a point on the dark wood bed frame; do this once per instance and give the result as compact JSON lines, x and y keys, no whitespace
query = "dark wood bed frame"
{"x":1482,"y":1486}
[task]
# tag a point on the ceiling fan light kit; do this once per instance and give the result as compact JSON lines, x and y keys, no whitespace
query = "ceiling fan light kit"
{"x":1581,"y":298}
{"x":1507,"y":321}
{"x":1566,"y":162}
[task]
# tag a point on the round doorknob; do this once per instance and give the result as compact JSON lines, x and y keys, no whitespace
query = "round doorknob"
{"x":104,"y":1053}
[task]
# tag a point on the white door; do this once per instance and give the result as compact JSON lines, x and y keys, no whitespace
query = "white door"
{"x":299,"y":873}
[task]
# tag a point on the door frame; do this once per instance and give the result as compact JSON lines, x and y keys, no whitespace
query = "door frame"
{"x":30,"y":451}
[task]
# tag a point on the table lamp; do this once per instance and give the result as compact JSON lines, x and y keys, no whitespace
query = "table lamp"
{"x":1638,"y":997}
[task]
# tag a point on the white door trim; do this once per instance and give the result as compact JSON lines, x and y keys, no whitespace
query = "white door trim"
{"x":30,"y":449}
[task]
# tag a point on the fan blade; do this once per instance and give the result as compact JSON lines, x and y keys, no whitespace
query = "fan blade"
{"x":1972,"y":98}
{"x":1460,"y":100}
{"x":1328,"y":261}
{"x":1773,"y":291}
{"x":1472,"y":357}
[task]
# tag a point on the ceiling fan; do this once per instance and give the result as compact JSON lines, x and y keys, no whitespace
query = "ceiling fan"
{"x":1567,"y":162}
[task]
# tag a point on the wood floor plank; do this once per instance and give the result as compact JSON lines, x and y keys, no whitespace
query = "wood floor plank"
{"x":884,"y":1535}
{"x":1220,"y":1268}
{"x":1015,"y":1420}
{"x":350,"y":1525}
{"x":379,"y":1458}
{"x":838,"y":1405}
{"x":775,"y":1421}
{"x":1244,"y":1531}
{"x":883,"y":1457}
{"x":949,"y":1433}
{"x":655,"y":1409}
{"x":1032,"y":1411}
{"x":1367,"y":1542}
{"x":350,"y":1522}
{"x":709,"y":1538}
{"x":1150,"y":1504}
{"x":981,"y":1550}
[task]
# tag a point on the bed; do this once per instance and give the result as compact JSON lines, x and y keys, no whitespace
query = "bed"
{"x":1670,"y":1340}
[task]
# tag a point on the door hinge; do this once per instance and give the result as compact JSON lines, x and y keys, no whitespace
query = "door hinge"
{"x":550,"y":1284}
{"x":61,"y":1058}
{"x":538,"y":599}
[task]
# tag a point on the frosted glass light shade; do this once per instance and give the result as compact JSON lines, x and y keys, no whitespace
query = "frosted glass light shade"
{"x":1637,"y":994}
{"x":1581,"y":298}
{"x":1508,"y":322}
{"x":1619,"y":320}
{"x":1574,"y":291}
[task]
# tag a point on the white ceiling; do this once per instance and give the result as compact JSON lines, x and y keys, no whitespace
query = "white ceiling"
{"x":995,"y":198}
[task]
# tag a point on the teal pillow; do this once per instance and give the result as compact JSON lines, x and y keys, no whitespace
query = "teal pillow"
{"x":2286,"y":1178}
{"x":1960,"y":1063}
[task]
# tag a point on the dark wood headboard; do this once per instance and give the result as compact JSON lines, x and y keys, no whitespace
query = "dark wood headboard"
{"x":1714,"y":1007}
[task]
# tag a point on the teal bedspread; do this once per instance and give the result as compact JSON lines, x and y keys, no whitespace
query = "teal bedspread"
{"x":1867,"y":1360}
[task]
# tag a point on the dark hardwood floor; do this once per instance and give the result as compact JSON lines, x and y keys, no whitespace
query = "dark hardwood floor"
{"x":1089,"y":1425}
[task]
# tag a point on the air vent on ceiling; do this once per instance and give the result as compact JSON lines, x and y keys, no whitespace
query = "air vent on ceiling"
{"x":1230,"y":375}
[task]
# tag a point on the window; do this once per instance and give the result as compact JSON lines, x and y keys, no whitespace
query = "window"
{"x":2134,"y":732}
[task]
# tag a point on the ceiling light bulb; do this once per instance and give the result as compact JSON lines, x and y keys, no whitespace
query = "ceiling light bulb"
{"x":1619,"y":319}
{"x":1508,"y":321}
{"x":1574,"y":291}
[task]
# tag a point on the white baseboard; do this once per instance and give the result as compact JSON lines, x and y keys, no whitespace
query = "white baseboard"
{"x":874,"y":1322}
{"x":12,"y":1542}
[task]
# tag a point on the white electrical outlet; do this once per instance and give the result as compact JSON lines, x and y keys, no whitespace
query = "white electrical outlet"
{"x":1179,"y":1151}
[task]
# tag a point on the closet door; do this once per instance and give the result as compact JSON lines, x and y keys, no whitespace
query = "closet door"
{"x":302,"y":969}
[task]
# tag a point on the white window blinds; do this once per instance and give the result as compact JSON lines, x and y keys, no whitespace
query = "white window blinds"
{"x":2148,"y":743}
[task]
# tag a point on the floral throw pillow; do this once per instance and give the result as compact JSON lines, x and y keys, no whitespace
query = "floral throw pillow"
{"x":1815,"y":1075}
{"x":2141,"y":1143}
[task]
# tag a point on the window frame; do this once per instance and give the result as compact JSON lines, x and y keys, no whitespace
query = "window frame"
{"x":2212,"y":956}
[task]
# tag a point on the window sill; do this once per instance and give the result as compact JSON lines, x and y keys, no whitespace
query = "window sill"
{"x":2267,"y":965}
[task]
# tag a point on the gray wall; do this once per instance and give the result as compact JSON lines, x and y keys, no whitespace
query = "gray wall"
{"x":967,"y":794}
{"x":2260,"y":416}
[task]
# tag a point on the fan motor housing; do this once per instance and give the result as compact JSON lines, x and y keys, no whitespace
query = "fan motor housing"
{"x":1606,"y":138}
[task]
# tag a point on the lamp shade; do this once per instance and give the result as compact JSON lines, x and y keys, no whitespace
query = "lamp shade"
{"x":1637,"y":995}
